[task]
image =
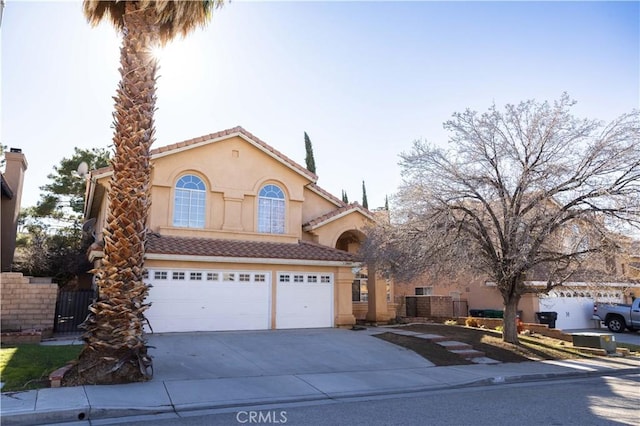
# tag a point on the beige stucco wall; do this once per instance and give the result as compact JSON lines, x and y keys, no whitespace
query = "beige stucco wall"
{"x":233,"y":171}
{"x":315,"y":205}
{"x":328,"y":234}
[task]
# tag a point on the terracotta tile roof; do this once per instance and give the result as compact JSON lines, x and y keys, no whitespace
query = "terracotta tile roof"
{"x":303,"y":250}
{"x":238,"y":130}
{"x":334,"y":213}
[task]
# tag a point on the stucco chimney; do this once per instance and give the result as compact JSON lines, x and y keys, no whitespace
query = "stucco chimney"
{"x":15,"y":166}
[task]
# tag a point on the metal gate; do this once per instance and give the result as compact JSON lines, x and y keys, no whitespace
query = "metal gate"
{"x":460,"y":308}
{"x":411,"y":306}
{"x":72,"y":308}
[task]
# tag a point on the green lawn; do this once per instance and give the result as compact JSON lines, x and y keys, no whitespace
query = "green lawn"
{"x":25,"y":367}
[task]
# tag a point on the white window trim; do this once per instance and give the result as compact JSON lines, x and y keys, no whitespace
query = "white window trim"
{"x":305,"y":278}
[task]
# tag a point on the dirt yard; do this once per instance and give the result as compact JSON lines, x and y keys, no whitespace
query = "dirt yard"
{"x":533,"y":347}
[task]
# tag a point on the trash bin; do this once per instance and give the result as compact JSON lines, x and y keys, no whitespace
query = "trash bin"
{"x":548,"y":318}
{"x":477,"y":313}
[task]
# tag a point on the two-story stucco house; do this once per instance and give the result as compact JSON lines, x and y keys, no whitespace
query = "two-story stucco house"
{"x":242,"y":238}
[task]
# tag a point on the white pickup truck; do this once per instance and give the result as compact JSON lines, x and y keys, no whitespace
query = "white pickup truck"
{"x":618,"y":316}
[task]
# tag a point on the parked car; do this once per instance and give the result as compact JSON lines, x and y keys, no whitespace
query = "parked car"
{"x":618,"y":316}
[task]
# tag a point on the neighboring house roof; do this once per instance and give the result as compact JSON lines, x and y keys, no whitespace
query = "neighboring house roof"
{"x":6,"y":189}
{"x":336,"y":214}
{"x":205,"y":247}
{"x":582,"y":274}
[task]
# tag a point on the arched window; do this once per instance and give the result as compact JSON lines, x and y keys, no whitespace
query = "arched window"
{"x":188,"y":208}
{"x":271,"y":210}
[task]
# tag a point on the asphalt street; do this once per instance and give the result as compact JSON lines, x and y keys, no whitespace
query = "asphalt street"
{"x":600,"y":401}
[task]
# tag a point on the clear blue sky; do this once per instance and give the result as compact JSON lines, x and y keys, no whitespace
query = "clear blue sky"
{"x":363,"y":79}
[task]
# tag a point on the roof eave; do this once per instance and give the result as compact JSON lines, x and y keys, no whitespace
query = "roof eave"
{"x":309,"y":228}
{"x":6,"y":189}
{"x":268,"y":261}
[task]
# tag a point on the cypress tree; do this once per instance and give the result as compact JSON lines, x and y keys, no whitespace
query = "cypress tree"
{"x":311,"y":162}
{"x":344,"y":197}
{"x":365,"y":203}
{"x":386,"y":202}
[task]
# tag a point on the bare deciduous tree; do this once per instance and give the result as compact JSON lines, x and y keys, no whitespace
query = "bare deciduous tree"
{"x":499,"y":201}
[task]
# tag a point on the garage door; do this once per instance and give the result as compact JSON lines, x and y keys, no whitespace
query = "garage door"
{"x":575,"y":306}
{"x":304,"y":300}
{"x":207,"y":300}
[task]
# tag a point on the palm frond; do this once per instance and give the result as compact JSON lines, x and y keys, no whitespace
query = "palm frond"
{"x":172,"y":17}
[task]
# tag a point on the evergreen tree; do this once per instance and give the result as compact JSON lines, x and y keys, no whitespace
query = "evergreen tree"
{"x":365,"y":203}
{"x":311,"y":162}
{"x":50,"y":241}
{"x":3,"y":149}
{"x":63,"y":197}
{"x":344,"y":196}
{"x":386,"y":202}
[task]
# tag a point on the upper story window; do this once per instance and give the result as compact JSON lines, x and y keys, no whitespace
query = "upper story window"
{"x":188,"y":209}
{"x":271,"y":210}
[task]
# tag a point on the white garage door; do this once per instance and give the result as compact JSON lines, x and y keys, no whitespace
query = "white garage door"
{"x":204,"y":300}
{"x":575,"y":307}
{"x":304,"y":300}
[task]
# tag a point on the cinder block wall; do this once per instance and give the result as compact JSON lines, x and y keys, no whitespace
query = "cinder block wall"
{"x":27,"y":305}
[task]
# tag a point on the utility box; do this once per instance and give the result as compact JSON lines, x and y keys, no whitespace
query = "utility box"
{"x":594,"y":340}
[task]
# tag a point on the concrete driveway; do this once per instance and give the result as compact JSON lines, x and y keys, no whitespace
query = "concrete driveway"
{"x":210,"y":355}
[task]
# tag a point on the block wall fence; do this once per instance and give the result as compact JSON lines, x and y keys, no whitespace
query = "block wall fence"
{"x":27,"y":303}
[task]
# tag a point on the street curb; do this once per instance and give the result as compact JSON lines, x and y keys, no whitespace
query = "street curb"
{"x":88,"y":413}
{"x":554,"y":376}
{"x":65,"y":415}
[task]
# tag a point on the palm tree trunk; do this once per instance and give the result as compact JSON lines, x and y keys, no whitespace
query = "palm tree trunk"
{"x":116,"y":349}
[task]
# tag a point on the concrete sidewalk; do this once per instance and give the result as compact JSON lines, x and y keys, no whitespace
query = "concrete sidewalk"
{"x":197,"y":371}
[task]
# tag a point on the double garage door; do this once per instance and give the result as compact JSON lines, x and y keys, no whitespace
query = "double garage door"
{"x":220,"y":300}
{"x":574,"y":307}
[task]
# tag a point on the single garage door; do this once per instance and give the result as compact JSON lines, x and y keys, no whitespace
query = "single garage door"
{"x":304,"y":300}
{"x":208,"y":300}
